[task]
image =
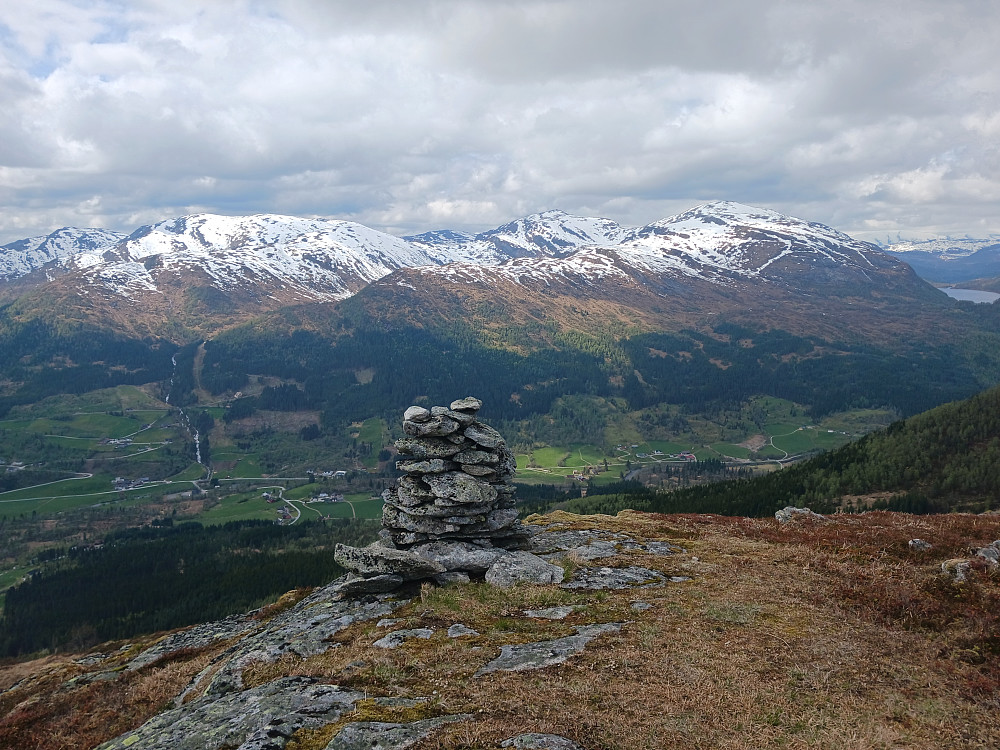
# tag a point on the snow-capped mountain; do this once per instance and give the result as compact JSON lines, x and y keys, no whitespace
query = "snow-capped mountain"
{"x":723,"y":241}
{"x":950,"y":261}
{"x":546,"y":234}
{"x":720,"y":243}
{"x":944,"y":249}
{"x":284,"y":257}
{"x":26,"y":256}
{"x":717,"y":261}
{"x":210,"y":271}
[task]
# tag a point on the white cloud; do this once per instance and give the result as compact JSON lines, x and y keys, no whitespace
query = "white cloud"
{"x":417,"y":114}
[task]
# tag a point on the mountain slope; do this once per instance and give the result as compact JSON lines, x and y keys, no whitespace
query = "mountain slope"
{"x":29,"y":255}
{"x":721,"y":259}
{"x":203,"y":272}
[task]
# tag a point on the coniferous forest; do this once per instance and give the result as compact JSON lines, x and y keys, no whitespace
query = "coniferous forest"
{"x":158,"y":578}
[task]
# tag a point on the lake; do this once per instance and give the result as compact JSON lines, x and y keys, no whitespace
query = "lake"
{"x":971,"y":295}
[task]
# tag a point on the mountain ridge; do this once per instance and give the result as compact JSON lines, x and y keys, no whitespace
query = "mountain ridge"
{"x":205,"y":271}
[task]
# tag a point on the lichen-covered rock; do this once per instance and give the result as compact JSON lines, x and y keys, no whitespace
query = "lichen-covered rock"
{"x":790,"y":513}
{"x":433,"y":427}
{"x":430,"y":447}
{"x":380,"y":735}
{"x":472,"y":557}
{"x":523,"y":567}
{"x":990,"y":553}
{"x":432,"y":466}
{"x":263,"y":717}
{"x":463,"y":418}
{"x":614,"y":578}
{"x":399,"y":637}
{"x":484,"y":435}
{"x":416,"y":414}
{"x":376,"y":560}
{"x":525,"y":656}
{"x":304,"y":630}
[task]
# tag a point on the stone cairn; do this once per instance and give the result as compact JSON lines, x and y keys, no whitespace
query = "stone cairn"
{"x":452,"y":516}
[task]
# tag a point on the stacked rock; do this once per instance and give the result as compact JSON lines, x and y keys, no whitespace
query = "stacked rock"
{"x":452,"y":515}
{"x":457,"y":483}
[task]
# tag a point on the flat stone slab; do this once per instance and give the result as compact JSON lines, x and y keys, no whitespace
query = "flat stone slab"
{"x":525,"y":656}
{"x":259,"y":719}
{"x":614,"y":578}
{"x":550,"y":613}
{"x":458,"y":630}
{"x":523,"y":567}
{"x":379,"y":735}
{"x":399,"y":637}
{"x":593,"y":544}
{"x":376,"y":560}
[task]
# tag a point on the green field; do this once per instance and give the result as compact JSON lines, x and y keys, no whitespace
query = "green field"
{"x":240,"y":507}
{"x":731,"y":451}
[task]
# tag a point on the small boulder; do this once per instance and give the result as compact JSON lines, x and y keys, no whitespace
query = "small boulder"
{"x":399,"y":637}
{"x":919,"y":545}
{"x":990,"y":553}
{"x":523,"y":567}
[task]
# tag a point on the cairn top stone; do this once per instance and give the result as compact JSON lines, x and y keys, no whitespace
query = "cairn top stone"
{"x":467,"y":404}
{"x":416,"y":414}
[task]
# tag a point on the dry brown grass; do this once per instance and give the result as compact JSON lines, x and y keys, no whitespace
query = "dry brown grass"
{"x":47,"y":712}
{"x":807,"y":635}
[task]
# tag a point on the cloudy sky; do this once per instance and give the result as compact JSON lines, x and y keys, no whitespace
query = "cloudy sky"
{"x":877,"y":117}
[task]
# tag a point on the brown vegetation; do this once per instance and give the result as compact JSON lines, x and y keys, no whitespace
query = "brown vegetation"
{"x":819,"y":635}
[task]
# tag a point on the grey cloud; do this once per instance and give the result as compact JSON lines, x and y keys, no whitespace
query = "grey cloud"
{"x":416,"y":115}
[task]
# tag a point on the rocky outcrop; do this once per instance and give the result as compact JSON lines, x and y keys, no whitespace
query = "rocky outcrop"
{"x":791,"y":513}
{"x":452,"y":516}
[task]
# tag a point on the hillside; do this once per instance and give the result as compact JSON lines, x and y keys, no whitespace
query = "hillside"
{"x":945,"y":459}
{"x":739,"y":634}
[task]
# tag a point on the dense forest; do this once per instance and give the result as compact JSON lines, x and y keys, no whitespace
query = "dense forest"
{"x":158,"y":578}
{"x":378,"y":371}
{"x":40,"y":359}
{"x":944,"y":459}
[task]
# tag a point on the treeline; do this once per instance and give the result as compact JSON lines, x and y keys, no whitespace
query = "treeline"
{"x":350,"y":373}
{"x":944,"y":459}
{"x":159,"y":578}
